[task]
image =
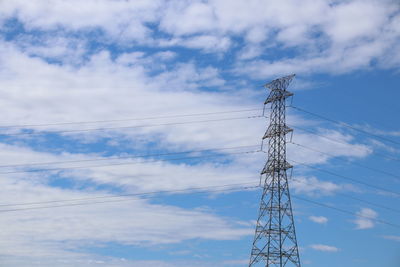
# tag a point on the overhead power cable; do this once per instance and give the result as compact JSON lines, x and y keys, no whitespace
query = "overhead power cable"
{"x":344,"y":160}
{"x":130,"y":119}
{"x":176,"y":191}
{"x":383,"y":155}
{"x":128,"y":127}
{"x":154,"y":194}
{"x":27,"y":165}
{"x":369,"y":202}
{"x":350,"y":197}
{"x":347,"y":212}
{"x":346,"y":178}
{"x":129,"y":163}
{"x":128,"y":197}
{"x":346,"y":125}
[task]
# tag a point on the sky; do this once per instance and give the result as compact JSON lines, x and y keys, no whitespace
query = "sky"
{"x":131,"y":130}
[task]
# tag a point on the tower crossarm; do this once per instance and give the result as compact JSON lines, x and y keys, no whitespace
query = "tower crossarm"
{"x":277,"y":95}
{"x":280,"y":83}
{"x":275,"y":166}
{"x":275,"y":129}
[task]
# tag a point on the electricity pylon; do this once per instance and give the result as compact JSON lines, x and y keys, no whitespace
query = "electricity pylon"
{"x":275,"y":242}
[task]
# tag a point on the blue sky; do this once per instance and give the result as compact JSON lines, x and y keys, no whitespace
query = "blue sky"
{"x":139,"y":68}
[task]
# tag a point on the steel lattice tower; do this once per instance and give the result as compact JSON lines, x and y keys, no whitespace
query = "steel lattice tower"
{"x":275,"y":241}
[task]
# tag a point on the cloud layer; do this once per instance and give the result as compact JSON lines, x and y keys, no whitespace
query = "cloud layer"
{"x":142,"y":62}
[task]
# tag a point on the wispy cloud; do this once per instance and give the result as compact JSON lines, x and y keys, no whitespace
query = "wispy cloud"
{"x":324,"y":248}
{"x":365,"y":219}
{"x":63,"y":61}
{"x":318,"y":219}
{"x":312,"y":186}
{"x":392,"y":237}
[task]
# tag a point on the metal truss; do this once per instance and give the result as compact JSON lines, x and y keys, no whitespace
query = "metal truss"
{"x":275,"y":242}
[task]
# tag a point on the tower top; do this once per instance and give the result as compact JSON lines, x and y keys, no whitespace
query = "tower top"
{"x":280,"y":83}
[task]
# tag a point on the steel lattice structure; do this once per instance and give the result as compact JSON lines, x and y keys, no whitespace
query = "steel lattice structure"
{"x":275,"y":242}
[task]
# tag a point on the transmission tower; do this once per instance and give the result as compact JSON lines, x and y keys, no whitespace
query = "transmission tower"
{"x":275,"y":241}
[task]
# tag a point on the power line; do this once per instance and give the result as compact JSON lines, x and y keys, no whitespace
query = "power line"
{"x":27,"y":165}
{"x":129,"y":163}
{"x":129,"y":127}
{"x":141,"y":194}
{"x":173,"y":153}
{"x":131,"y":157}
{"x":346,"y":125}
{"x":354,"y":163}
{"x":149,"y":195}
{"x":125,"y":195}
{"x":177,"y":191}
{"x":369,"y":202}
{"x":129,"y":119}
{"x":347,"y":212}
{"x":383,"y":155}
{"x":351,"y":197}
{"x":346,"y":178}
{"x":78,"y":167}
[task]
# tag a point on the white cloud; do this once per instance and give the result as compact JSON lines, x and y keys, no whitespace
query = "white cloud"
{"x":82,"y":260}
{"x":56,"y":231}
{"x":207,"y":42}
{"x":117,"y":91}
{"x":69,"y":50}
{"x":332,"y":43}
{"x":312,"y":186}
{"x":356,"y":19}
{"x":99,"y":85}
{"x":336,"y":61}
{"x":326,"y":34}
{"x":184,"y":17}
{"x":365,"y":219}
{"x":114,"y":17}
{"x":323,"y":146}
{"x":165,"y":55}
{"x":377,"y":131}
{"x":319,"y":219}
{"x":324,"y":248}
{"x":383,"y":146}
{"x":250,"y":52}
{"x":256,"y":35}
